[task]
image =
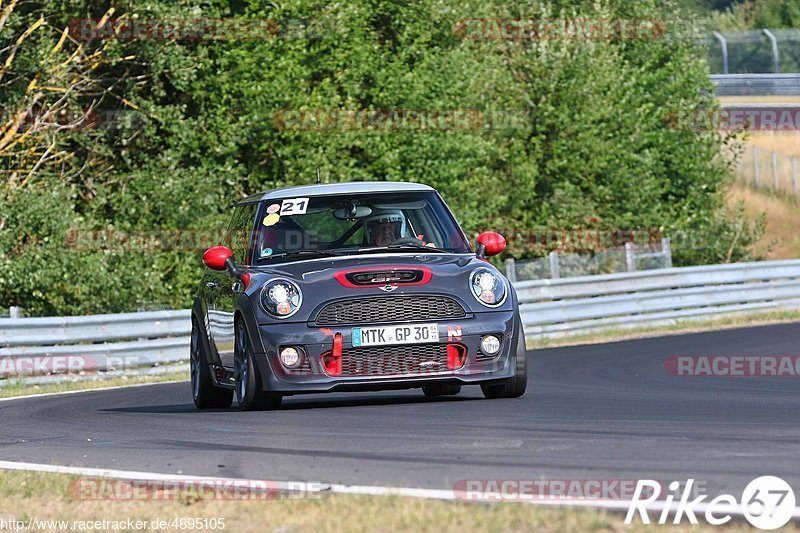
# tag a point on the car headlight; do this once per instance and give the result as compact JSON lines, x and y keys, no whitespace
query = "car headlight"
{"x":487,"y":287}
{"x":281,"y":298}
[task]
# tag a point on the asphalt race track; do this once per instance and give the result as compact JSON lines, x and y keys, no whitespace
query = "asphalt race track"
{"x":606,"y":411}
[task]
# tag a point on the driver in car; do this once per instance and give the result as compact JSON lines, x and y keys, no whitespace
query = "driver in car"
{"x":382,"y":229}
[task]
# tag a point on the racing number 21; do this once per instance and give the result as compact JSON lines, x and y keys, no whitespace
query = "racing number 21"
{"x":294,"y":206}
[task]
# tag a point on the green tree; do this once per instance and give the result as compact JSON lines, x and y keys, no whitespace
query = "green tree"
{"x":575,"y":134}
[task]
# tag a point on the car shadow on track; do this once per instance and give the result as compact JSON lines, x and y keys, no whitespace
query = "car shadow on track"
{"x":300,"y":403}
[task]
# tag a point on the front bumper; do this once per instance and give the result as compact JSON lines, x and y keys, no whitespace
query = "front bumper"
{"x":315,"y":341}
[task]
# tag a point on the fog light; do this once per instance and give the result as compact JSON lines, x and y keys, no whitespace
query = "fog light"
{"x":490,"y":345}
{"x":290,"y":357}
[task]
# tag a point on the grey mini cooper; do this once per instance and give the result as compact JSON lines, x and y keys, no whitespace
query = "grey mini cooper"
{"x":352,"y":287}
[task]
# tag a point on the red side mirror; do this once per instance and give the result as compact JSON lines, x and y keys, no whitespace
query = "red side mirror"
{"x":215,"y":257}
{"x":490,"y":243}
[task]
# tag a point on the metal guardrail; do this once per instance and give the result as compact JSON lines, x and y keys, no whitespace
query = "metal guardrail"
{"x":756,"y":84}
{"x":94,"y":328}
{"x":549,"y":308}
{"x":97,"y":343}
{"x":558,"y":307}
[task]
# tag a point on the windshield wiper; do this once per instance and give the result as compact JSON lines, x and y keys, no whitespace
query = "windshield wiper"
{"x":303,"y":252}
{"x":419,"y":246}
{"x":408,"y":245}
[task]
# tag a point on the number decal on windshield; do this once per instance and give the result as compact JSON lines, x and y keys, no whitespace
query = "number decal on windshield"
{"x":294,"y":206}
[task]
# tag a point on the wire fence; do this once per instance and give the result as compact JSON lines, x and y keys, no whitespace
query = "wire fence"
{"x":765,"y":169}
{"x":754,"y":52}
{"x":632,"y":257}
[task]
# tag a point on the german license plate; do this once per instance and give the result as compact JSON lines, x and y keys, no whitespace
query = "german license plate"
{"x":398,"y":334}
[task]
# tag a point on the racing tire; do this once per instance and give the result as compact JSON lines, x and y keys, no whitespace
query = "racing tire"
{"x":205,"y":394}
{"x":249,"y":391}
{"x":513,"y":387}
{"x":439,"y":389}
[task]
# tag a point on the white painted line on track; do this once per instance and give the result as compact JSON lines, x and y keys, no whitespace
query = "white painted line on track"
{"x":99,"y":389}
{"x":362,"y":490}
{"x":133,"y":475}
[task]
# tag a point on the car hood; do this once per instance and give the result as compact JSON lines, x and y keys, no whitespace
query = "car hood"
{"x":323,"y":280}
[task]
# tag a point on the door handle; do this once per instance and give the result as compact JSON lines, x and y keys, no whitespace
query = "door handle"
{"x":211,"y":284}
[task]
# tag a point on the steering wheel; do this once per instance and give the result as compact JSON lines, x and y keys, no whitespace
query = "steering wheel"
{"x":406,"y":240}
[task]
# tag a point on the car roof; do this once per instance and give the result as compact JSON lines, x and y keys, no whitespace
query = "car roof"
{"x":331,"y":189}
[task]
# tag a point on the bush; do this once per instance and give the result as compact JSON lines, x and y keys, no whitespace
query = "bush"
{"x":578,"y":135}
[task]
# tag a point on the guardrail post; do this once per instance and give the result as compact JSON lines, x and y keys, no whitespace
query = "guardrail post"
{"x":775,"y":170}
{"x":630,"y":257}
{"x":511,"y":270}
{"x":724,"y":45}
{"x":555,"y":271}
{"x":755,"y":165}
{"x":666,"y":249}
{"x":771,"y":36}
{"x":794,"y":174}
{"x":14,"y":312}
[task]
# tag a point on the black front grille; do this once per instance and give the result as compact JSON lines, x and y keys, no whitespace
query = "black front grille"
{"x":378,"y":310}
{"x":304,"y":368}
{"x":394,"y":360}
{"x":481,"y":357}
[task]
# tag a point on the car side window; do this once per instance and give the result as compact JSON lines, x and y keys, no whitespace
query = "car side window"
{"x":239,"y":230}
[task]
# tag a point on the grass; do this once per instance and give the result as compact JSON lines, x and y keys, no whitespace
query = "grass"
{"x":781,"y":239}
{"x":18,"y":388}
{"x":712,"y":324}
{"x":45,"y":496}
{"x":787,"y":143}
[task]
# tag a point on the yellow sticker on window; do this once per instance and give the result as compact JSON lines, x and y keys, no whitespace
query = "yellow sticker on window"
{"x":271,"y":219}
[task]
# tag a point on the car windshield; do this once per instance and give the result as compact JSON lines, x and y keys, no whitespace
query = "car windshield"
{"x":365,"y":223}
